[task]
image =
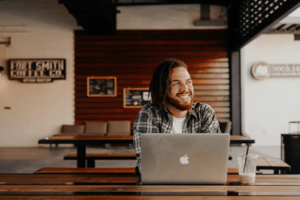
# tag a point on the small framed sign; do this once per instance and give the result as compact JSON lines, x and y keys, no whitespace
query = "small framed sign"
{"x":136,"y":97}
{"x":102,"y":86}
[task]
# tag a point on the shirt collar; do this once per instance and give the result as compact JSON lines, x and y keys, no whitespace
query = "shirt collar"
{"x":192,"y":111}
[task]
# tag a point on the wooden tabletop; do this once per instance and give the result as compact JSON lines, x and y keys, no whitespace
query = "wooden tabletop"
{"x":234,"y":139}
{"x":238,"y":139}
{"x":145,"y":197}
{"x":79,"y":187}
{"x":84,"y":179}
{"x":152,"y":190}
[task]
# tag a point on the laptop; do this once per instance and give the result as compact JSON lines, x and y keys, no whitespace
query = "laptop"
{"x":184,"y":158}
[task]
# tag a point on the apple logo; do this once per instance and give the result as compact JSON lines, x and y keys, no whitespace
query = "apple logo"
{"x":184,"y":159}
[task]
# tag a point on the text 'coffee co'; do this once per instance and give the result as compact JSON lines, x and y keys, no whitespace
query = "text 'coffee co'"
{"x":37,"y":70}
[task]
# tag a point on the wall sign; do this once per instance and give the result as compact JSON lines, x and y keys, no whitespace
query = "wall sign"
{"x":102,"y":86}
{"x":37,"y":70}
{"x":262,"y":70}
{"x":136,"y":97}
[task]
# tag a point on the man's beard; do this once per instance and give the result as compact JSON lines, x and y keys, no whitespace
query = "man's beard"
{"x":180,"y":106}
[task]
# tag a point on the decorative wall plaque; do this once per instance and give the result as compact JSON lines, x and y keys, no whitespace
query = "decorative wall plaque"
{"x":101,"y":86}
{"x":136,"y":97}
{"x":37,"y":70}
{"x":263,"y":70}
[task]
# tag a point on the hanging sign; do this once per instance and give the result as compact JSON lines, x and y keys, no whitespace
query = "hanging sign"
{"x":136,"y":97}
{"x":262,"y":70}
{"x":37,"y":70}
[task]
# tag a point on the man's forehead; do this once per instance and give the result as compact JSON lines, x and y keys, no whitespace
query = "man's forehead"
{"x":179,"y":73}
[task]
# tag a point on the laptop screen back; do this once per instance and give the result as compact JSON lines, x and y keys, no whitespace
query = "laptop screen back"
{"x":184,"y":158}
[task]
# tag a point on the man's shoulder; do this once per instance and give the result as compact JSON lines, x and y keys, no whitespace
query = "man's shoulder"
{"x":149,"y":108}
{"x":201,"y":106}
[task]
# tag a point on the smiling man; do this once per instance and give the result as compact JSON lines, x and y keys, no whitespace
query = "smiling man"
{"x":173,"y":109}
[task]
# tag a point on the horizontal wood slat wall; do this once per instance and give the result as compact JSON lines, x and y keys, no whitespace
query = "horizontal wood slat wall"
{"x":131,"y":56}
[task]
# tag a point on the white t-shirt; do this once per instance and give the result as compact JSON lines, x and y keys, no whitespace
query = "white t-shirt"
{"x":177,"y":125}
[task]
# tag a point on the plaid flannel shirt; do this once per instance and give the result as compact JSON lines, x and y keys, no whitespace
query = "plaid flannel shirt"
{"x":201,"y":118}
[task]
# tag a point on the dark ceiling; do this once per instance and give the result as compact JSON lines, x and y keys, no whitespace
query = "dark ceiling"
{"x":246,"y":18}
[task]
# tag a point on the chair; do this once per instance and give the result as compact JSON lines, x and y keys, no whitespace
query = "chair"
{"x":118,"y":128}
{"x":72,"y":129}
{"x":225,"y":127}
{"x":95,"y":128}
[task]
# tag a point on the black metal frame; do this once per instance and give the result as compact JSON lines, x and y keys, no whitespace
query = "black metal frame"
{"x":247,"y":19}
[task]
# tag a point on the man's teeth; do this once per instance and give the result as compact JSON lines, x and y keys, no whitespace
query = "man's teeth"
{"x":184,"y":96}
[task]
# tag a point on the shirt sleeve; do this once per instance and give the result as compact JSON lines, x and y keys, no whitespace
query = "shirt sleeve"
{"x":144,"y":123}
{"x":210,"y":122}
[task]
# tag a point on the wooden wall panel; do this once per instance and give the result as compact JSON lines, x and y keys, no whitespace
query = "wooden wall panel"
{"x":131,"y":56}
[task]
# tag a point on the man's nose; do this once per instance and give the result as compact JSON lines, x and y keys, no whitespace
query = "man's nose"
{"x":184,"y":87}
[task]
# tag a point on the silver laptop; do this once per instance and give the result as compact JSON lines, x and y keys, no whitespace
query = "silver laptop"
{"x":184,"y":158}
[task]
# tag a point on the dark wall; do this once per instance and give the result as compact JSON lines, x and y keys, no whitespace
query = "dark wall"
{"x":131,"y":56}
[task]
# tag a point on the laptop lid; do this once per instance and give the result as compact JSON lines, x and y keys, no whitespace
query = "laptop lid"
{"x":184,"y":158}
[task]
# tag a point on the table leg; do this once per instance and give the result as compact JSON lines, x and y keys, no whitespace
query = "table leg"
{"x":81,"y":155}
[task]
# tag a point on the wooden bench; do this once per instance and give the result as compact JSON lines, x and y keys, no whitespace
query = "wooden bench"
{"x":122,"y":170}
{"x":91,"y":170}
{"x":275,"y":164}
{"x":68,"y":179}
{"x":92,"y":157}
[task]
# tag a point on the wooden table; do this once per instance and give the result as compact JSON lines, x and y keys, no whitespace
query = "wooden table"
{"x":36,"y":186}
{"x":106,"y":179}
{"x":82,"y":141}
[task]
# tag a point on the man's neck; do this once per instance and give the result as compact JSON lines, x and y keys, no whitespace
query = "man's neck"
{"x":175,"y":112}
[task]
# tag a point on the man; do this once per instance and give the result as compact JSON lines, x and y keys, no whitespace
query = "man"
{"x":172,"y":109}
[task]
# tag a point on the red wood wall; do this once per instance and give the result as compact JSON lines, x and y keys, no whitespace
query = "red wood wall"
{"x":131,"y":56}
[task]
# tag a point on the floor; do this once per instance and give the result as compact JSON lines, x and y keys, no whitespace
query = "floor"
{"x":31,"y":159}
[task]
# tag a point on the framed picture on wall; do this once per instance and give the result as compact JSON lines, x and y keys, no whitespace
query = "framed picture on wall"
{"x":136,"y":97}
{"x":102,"y":86}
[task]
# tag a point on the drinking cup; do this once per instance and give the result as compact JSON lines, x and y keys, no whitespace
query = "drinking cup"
{"x":247,"y":168}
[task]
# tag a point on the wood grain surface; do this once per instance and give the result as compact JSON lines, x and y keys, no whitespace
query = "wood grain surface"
{"x":146,"y":197}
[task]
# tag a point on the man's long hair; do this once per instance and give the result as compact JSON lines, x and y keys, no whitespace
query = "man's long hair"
{"x":160,"y":82}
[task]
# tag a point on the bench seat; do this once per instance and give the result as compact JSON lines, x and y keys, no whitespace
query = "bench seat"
{"x":275,"y":164}
{"x":92,"y":157}
{"x":68,"y":170}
